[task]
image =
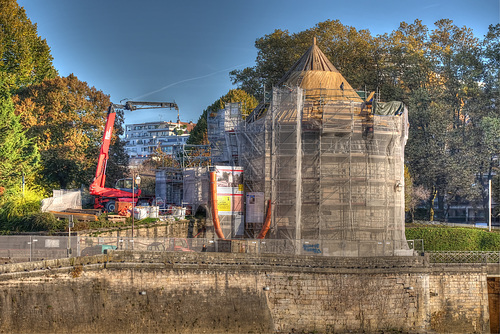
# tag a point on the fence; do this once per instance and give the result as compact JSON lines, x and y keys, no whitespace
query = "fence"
{"x":35,"y":247}
{"x":464,"y":257}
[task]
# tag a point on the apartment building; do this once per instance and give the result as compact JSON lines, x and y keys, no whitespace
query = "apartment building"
{"x":142,"y":139}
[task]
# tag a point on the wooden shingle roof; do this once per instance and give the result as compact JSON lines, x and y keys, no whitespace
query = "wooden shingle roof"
{"x":314,"y":72}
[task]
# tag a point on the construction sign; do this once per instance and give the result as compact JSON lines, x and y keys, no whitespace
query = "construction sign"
{"x":230,"y":202}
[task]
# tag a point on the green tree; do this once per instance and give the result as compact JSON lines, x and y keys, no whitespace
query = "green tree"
{"x":353,"y":52}
{"x":247,"y":101}
{"x":18,"y":155}
{"x":495,"y":193}
{"x":437,"y":73}
{"x":487,"y":120}
{"x":403,"y":64}
{"x":66,"y":118}
{"x":460,"y":64}
{"x":448,"y":78}
{"x":25,"y":57}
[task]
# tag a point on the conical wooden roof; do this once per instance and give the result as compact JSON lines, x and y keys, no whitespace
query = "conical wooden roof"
{"x":317,"y":75}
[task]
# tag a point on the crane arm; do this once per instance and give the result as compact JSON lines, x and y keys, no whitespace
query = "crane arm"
{"x":100,"y":174}
{"x":134,"y":105}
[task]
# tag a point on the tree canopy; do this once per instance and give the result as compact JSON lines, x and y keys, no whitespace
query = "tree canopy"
{"x":62,"y":117}
{"x":51,"y":127}
{"x":66,"y":118}
{"x":25,"y":57}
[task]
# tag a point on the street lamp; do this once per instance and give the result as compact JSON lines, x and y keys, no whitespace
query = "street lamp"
{"x":137,"y":181}
{"x":489,"y":205}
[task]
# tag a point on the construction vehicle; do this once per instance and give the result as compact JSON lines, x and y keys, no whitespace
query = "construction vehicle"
{"x":106,"y":198}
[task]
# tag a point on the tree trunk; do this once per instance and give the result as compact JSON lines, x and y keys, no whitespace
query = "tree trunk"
{"x":431,"y":203}
{"x":441,"y":212}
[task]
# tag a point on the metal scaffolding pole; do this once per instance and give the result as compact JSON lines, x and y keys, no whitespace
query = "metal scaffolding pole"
{"x":298,"y":173}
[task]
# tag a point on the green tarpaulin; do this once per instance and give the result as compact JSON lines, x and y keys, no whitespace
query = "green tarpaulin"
{"x":388,"y":108}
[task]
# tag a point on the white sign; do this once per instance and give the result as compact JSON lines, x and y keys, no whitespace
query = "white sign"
{"x":255,"y":207}
{"x":52,"y":243}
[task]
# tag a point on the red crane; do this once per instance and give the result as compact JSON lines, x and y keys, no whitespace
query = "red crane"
{"x":107,"y":197}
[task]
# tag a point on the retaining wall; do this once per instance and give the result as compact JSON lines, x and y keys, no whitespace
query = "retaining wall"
{"x":241,"y":293}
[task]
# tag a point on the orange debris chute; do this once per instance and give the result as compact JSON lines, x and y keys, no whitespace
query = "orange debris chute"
{"x":215,"y":211}
{"x":267,"y":223}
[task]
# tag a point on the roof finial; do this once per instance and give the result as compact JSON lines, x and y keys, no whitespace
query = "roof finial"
{"x":314,"y":40}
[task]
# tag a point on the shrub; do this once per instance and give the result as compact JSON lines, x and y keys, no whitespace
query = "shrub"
{"x":455,"y":238}
{"x":38,"y":222}
{"x":15,"y":205}
{"x":81,"y":226}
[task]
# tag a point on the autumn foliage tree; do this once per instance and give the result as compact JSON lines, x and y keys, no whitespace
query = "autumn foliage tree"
{"x":65,"y":117}
{"x":50,"y":127}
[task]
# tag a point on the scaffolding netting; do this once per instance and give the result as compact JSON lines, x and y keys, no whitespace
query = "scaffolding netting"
{"x":333,"y":170}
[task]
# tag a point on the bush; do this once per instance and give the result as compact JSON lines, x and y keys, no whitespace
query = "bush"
{"x":37,"y":222}
{"x":15,"y":205}
{"x":81,"y":226}
{"x":455,"y":238}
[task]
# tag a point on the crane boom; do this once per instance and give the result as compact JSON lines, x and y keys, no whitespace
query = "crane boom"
{"x":134,"y":105}
{"x":97,"y":188}
{"x":100,"y":174}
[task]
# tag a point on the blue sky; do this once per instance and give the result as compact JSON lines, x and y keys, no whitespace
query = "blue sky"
{"x":182,"y":51}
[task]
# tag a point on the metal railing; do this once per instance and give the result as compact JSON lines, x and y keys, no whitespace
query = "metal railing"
{"x":464,"y":257}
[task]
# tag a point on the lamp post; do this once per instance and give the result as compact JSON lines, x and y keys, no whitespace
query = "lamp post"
{"x":137,"y":181}
{"x":489,"y":205}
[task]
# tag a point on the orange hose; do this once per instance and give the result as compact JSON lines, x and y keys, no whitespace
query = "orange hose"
{"x":267,"y":223}
{"x":215,"y":211}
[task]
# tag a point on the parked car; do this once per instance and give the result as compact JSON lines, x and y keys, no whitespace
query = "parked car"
{"x":97,"y":250}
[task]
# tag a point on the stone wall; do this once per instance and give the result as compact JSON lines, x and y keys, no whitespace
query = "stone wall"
{"x":241,"y":293}
{"x":471,"y":302}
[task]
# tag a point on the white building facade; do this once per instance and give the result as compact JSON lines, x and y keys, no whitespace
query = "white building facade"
{"x":142,"y":139}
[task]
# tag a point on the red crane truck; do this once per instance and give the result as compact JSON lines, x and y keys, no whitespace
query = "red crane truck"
{"x":106,"y":198}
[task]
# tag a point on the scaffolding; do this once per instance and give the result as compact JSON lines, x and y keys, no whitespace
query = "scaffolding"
{"x":221,"y":135}
{"x":332,"y":168}
{"x":188,"y":155}
{"x":195,"y":188}
{"x":169,"y":187}
{"x":186,"y":184}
